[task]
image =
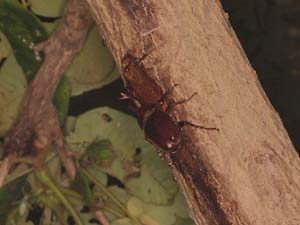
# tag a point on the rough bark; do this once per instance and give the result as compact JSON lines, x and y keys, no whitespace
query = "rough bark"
{"x":38,"y":125}
{"x":248,"y":172}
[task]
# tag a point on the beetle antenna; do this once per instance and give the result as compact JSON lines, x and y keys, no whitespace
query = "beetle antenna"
{"x":186,"y":123}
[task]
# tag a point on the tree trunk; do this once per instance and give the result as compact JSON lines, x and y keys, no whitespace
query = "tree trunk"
{"x":248,"y":172}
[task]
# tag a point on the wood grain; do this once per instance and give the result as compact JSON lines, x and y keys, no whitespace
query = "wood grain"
{"x":248,"y":172}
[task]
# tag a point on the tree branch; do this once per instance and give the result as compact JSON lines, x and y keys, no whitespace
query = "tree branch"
{"x":38,"y":124}
{"x":249,"y":172}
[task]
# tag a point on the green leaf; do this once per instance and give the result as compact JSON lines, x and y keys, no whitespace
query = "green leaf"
{"x":46,"y":180}
{"x":5,"y":49}
{"x":100,"y":150}
{"x":49,"y":8}
{"x":9,"y":194}
{"x":94,"y":65}
{"x":61,"y":99}
{"x":25,"y":32}
{"x":81,"y":184}
{"x":149,"y":188}
{"x":150,"y":193}
{"x":153,"y":181}
{"x":22,"y":36}
{"x":159,"y":214}
{"x":12,"y":89}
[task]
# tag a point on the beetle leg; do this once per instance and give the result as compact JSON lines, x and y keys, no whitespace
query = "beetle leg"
{"x":139,"y":60}
{"x":186,"y":123}
{"x":136,"y":61}
{"x":172,"y":104}
{"x":168,"y":92}
{"x":131,"y":102}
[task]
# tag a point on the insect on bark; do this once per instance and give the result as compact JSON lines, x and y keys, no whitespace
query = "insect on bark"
{"x":151,"y":107}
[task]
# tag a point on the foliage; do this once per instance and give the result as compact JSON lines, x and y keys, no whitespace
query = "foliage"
{"x":10,"y":194}
{"x":118,"y":172}
{"x":22,"y":36}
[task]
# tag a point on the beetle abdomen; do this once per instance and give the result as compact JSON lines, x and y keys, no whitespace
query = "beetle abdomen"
{"x":161,"y":130}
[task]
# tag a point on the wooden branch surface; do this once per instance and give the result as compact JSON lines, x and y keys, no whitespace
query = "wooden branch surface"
{"x":249,"y":172}
{"x":38,"y":125}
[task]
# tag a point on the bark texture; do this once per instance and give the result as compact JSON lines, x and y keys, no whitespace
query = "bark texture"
{"x":248,"y":172}
{"x":38,"y":125}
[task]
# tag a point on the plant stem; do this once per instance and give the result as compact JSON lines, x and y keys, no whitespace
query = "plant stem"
{"x":70,"y":192}
{"x":60,"y":217}
{"x":76,"y":195}
{"x":29,"y":170}
{"x":45,"y":179}
{"x":104,"y":189}
{"x":108,"y":193}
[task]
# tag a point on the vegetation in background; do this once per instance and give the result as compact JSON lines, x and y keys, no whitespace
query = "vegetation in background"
{"x":119,"y":173}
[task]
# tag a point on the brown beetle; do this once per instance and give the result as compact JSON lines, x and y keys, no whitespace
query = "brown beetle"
{"x":139,"y":85}
{"x":151,"y":108}
{"x":161,"y":131}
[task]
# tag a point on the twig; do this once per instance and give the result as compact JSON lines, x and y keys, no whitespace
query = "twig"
{"x":74,"y":194}
{"x":5,"y":167}
{"x":38,"y":117}
{"x":101,"y":217}
{"x":29,"y":170}
{"x":108,"y":194}
{"x":45,"y":179}
{"x":104,"y":189}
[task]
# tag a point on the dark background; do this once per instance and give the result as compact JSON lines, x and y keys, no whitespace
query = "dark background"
{"x":269,"y":31}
